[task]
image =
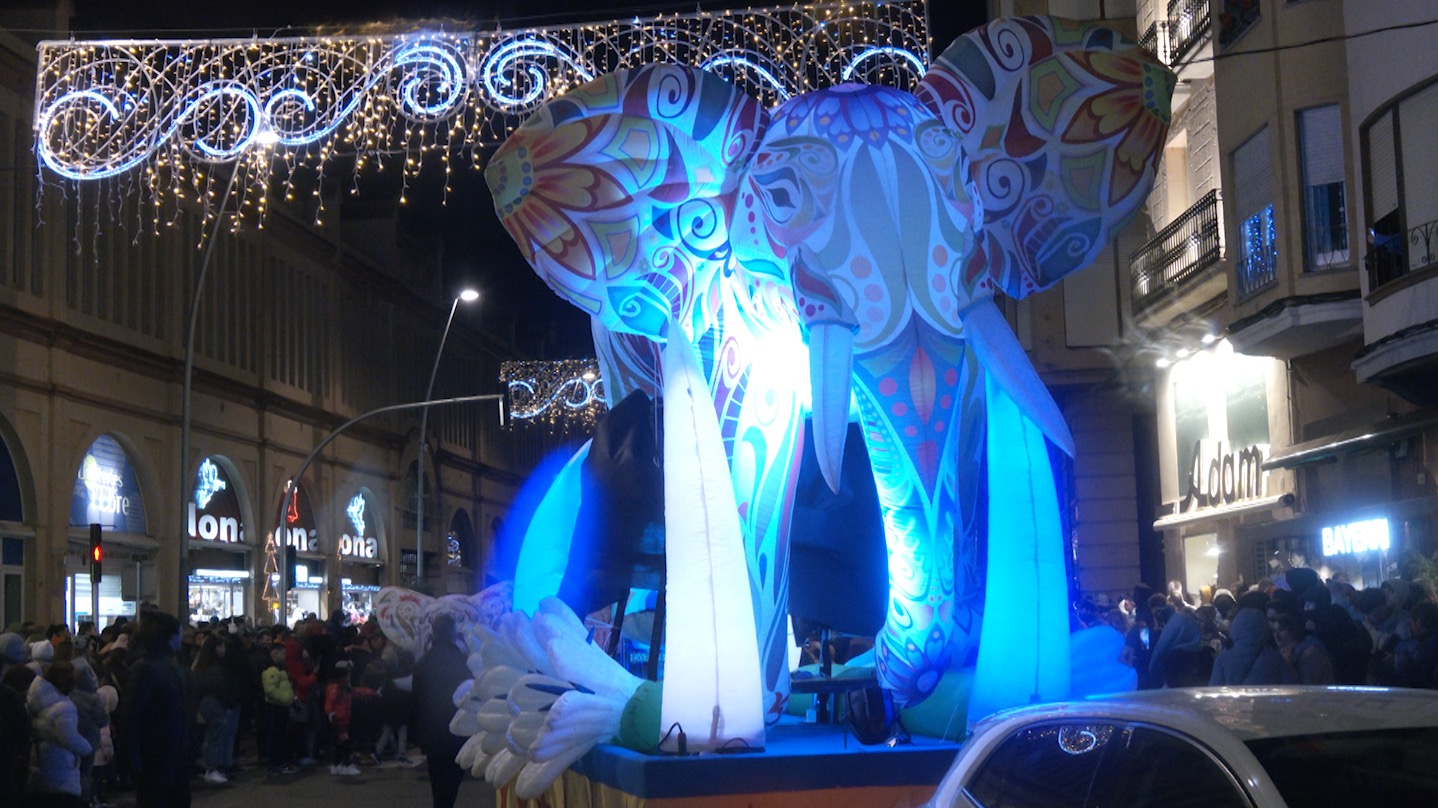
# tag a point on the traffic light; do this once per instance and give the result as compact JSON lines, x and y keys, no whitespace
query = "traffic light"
{"x":97,"y":554}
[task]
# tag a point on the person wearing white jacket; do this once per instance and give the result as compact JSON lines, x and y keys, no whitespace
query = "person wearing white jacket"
{"x":54,"y":726}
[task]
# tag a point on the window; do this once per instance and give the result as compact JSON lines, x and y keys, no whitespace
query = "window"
{"x":1049,"y":766}
{"x":1150,"y":767}
{"x":1257,"y":236}
{"x":454,"y":552}
{"x":1402,"y":169}
{"x":1325,"y":203}
{"x":1235,"y":18}
{"x":1379,"y":767}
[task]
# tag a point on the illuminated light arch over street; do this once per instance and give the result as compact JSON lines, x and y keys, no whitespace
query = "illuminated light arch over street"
{"x":165,"y":115}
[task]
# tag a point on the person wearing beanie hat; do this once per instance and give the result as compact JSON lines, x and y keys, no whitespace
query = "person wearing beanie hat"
{"x":41,"y":654}
{"x":12,"y":651}
{"x":56,"y":766}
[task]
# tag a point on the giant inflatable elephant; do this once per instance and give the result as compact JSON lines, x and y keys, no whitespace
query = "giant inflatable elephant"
{"x":863,"y":231}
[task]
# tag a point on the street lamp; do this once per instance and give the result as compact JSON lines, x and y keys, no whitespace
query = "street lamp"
{"x":292,"y":486}
{"x":182,"y":605}
{"x":468,"y":296}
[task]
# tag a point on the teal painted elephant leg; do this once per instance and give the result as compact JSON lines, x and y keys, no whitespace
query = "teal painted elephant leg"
{"x":921,"y":400}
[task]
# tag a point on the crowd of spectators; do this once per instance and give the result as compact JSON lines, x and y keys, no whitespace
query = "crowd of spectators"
{"x":148,"y":705}
{"x":1294,"y":629}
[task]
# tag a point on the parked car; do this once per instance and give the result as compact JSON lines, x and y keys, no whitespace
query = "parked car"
{"x":1212,"y":747}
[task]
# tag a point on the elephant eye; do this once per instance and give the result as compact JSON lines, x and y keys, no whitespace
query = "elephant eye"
{"x":780,"y":197}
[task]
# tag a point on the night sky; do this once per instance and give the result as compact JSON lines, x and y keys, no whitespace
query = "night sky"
{"x":476,"y":249}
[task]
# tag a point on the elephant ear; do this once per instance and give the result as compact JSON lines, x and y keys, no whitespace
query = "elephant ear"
{"x":1062,"y":125}
{"x":619,"y":192}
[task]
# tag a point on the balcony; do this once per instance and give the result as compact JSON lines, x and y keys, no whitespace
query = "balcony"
{"x":1179,"y":253}
{"x":1179,"y":36}
{"x":1393,"y":257}
{"x":1189,"y":26}
{"x":1155,"y":41}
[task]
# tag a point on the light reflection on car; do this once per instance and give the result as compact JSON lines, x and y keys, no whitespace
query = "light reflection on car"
{"x":1209,"y":747}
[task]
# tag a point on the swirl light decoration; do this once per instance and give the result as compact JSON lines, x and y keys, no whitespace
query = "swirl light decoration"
{"x":165,"y":113}
{"x":563,"y":395}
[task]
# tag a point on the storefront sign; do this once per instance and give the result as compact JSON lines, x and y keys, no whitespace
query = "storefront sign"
{"x":354,"y":544}
{"x":1356,"y":537}
{"x":1219,"y":478}
{"x":106,"y":490}
{"x":299,"y":529}
{"x":214,"y":511}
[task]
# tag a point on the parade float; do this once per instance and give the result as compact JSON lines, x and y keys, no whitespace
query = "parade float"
{"x":757,"y":271}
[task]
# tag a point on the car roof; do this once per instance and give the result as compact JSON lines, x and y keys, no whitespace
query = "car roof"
{"x":1251,"y":713}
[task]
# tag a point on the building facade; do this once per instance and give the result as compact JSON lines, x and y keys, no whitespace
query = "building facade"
{"x":299,"y":329}
{"x":1288,"y":289}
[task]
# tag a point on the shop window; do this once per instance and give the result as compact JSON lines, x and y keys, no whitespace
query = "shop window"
{"x":12,"y":578}
{"x":10,"y":506}
{"x":1325,"y":201}
{"x":1257,"y":236}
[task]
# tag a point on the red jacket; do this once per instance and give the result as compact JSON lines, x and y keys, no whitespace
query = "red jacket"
{"x":302,"y":679}
{"x":339,"y":701}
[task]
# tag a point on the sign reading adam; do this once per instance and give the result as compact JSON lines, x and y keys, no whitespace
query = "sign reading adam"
{"x":214,"y":511}
{"x":1222,"y":478}
{"x":354,"y":543}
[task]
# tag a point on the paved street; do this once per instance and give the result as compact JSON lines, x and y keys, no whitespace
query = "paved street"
{"x":315,"y":786}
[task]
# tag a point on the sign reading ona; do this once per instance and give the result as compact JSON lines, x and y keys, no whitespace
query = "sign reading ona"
{"x":354,"y":543}
{"x":1222,"y":478}
{"x":298,"y":530}
{"x":214,"y":510}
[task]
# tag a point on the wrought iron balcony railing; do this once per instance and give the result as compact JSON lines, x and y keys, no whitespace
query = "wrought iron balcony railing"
{"x":1155,"y":40}
{"x":1189,"y":26}
{"x":1180,"y":252}
{"x":1391,"y":257}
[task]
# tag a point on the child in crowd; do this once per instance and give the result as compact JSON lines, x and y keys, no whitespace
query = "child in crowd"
{"x":394,"y":710}
{"x":339,"y":709}
{"x":279,"y":699}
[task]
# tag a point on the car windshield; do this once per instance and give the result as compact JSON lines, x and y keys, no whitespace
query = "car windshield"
{"x":1380,"y":767}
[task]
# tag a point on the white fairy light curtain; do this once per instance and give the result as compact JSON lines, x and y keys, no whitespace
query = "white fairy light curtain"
{"x":165,"y":115}
{"x":561,"y":395}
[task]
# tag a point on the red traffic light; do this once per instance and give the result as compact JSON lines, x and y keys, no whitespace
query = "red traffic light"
{"x":97,"y":553}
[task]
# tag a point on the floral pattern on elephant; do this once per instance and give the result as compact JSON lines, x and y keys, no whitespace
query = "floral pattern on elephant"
{"x":865,"y":231}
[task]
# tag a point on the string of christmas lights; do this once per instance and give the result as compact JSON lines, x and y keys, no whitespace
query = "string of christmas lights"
{"x":562,"y":395}
{"x":167,"y":114}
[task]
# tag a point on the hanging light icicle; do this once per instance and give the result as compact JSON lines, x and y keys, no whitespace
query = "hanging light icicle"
{"x":166,"y":115}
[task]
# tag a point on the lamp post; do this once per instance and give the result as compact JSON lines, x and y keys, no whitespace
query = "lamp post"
{"x":182,"y":605}
{"x":292,"y":485}
{"x":468,"y":296}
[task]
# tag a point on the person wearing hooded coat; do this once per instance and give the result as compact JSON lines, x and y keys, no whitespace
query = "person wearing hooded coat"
{"x":12,"y":651}
{"x":1180,"y":659}
{"x":436,"y":676}
{"x":54,"y":724}
{"x":92,"y":715}
{"x":155,"y":727}
{"x":1253,"y":659}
